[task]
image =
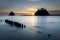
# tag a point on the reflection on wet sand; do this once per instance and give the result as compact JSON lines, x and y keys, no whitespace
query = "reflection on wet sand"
{"x":41,"y":22}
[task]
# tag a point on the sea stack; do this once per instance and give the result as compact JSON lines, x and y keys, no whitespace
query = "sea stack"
{"x":11,"y":14}
{"x":42,"y":12}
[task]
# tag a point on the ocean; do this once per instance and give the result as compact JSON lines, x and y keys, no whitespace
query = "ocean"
{"x":52,"y":13}
{"x":37,"y":28}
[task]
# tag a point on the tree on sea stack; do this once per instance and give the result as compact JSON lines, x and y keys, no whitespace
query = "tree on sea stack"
{"x":11,"y":13}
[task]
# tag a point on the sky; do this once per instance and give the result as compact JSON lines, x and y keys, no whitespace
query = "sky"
{"x":26,"y":6}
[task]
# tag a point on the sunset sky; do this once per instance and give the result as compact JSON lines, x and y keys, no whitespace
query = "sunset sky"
{"x":28,"y":6}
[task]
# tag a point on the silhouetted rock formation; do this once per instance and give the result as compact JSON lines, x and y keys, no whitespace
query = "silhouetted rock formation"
{"x":42,"y":12}
{"x":11,"y":13}
{"x":9,"y":22}
{"x":1,"y":20}
{"x":49,"y":35}
{"x":15,"y":23}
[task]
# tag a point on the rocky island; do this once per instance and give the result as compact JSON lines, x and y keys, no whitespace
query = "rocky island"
{"x":11,"y":14}
{"x":42,"y":12}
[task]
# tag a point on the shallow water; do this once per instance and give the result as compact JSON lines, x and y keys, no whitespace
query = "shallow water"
{"x":37,"y":28}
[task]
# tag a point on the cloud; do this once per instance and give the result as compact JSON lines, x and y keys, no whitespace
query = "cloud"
{"x":33,"y":0}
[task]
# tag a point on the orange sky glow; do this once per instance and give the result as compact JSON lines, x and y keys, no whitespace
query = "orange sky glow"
{"x":28,"y":11}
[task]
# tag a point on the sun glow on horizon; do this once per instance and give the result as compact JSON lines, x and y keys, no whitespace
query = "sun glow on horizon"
{"x":28,"y":11}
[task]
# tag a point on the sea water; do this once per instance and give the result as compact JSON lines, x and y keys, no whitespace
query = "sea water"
{"x":37,"y":28}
